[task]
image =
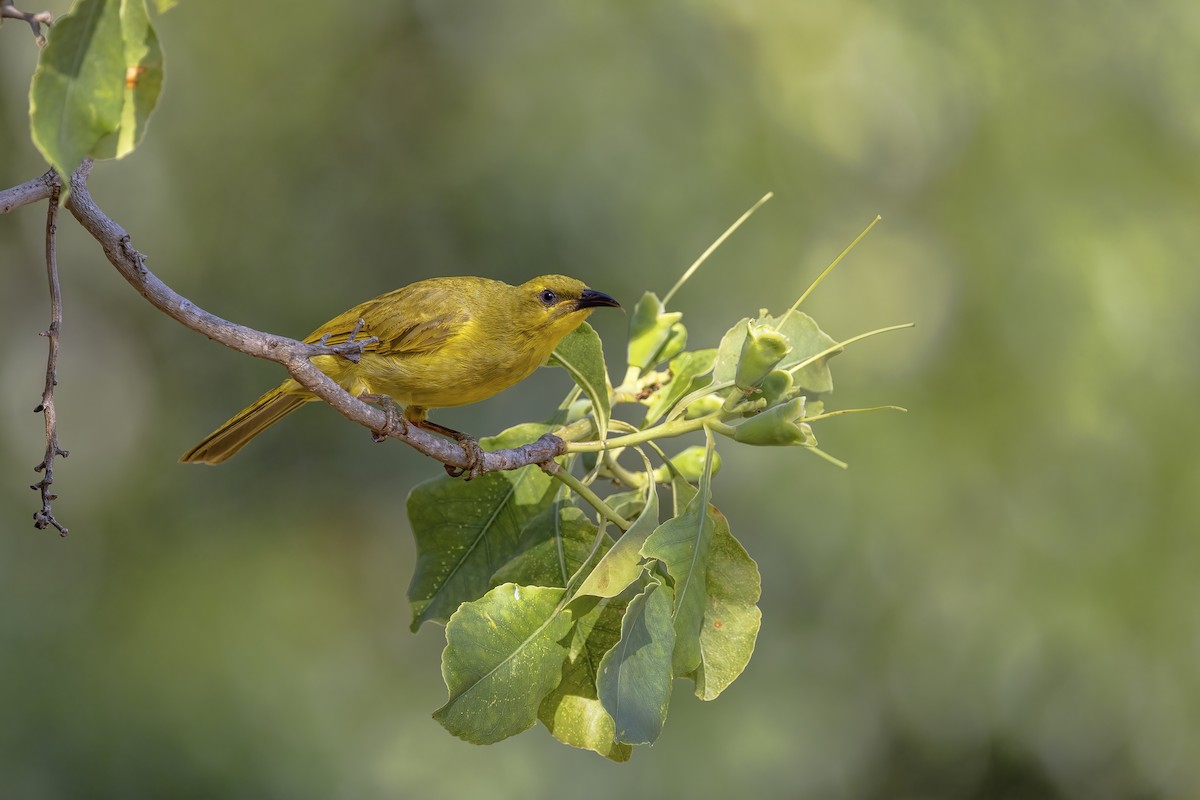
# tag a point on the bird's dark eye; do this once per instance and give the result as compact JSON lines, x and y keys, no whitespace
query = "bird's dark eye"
{"x":548,"y":297}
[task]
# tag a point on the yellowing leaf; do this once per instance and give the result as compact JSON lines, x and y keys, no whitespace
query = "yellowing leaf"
{"x":97,"y":81}
{"x":731,"y":616}
{"x":572,"y":711}
{"x":622,"y":564}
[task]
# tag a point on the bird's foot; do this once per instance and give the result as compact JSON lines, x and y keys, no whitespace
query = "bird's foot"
{"x":394,"y":421}
{"x":469,"y":444}
{"x":474,"y":452}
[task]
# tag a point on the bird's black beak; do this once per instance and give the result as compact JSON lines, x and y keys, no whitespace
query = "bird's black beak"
{"x":592,"y":299}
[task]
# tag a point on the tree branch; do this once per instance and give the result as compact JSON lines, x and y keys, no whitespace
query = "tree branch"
{"x":35,"y":19}
{"x":294,"y":356}
{"x":45,"y":518}
{"x":33,"y":191}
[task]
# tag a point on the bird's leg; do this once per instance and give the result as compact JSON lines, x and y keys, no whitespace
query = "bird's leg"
{"x":394,"y":421}
{"x":415,"y":415}
{"x":469,"y":443}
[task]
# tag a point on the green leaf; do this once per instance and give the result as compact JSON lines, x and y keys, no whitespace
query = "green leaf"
{"x":97,"y":81}
{"x":572,"y":711}
{"x":682,"y":493}
{"x":622,"y":564}
{"x":553,"y":545}
{"x":687,"y":375}
{"x":582,"y":355}
{"x":655,"y":334}
{"x":807,"y":340}
{"x":682,"y":543}
{"x":163,"y":6}
{"x":627,"y":504}
{"x":504,"y":653}
{"x":732,"y":617}
{"x":689,"y":463}
{"x":676,"y":341}
{"x":587,"y":611}
{"x":466,"y":530}
{"x":634,"y":685}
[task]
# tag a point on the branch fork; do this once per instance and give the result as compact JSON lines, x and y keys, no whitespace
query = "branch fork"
{"x":35,"y":19}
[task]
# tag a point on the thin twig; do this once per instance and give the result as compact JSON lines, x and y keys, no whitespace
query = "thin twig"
{"x":36,"y":19}
{"x":45,"y":517}
{"x":292,"y":355}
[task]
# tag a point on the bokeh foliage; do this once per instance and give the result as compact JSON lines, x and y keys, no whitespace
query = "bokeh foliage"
{"x":998,"y":597}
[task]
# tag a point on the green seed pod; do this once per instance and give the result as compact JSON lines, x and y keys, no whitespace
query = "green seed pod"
{"x":776,"y":385}
{"x":703,"y":407}
{"x":762,"y":349}
{"x":779,"y":425}
{"x":578,"y":410}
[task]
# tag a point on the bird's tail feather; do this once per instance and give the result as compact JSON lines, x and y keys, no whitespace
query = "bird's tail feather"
{"x":244,"y":426}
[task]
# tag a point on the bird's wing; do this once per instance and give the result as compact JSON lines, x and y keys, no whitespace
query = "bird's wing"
{"x":401,"y":326}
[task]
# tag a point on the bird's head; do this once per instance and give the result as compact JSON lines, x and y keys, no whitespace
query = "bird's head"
{"x":552,"y":306}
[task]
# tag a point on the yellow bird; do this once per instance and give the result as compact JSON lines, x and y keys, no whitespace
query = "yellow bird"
{"x":439,"y":342}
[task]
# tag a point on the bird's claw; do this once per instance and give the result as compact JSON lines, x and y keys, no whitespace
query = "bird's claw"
{"x":393,"y":421}
{"x":474,"y":452}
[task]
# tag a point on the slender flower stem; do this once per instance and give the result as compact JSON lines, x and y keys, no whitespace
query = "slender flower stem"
{"x":825,"y":272}
{"x":839,"y":346}
{"x":681,"y":405}
{"x":720,"y":240}
{"x":841,"y":411}
{"x":626,"y":476}
{"x":666,"y":430}
{"x":591,"y":497}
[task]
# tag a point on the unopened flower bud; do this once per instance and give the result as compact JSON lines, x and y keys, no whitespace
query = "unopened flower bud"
{"x":762,"y":349}
{"x":776,"y":385}
{"x":779,"y":425}
{"x":702,"y":407}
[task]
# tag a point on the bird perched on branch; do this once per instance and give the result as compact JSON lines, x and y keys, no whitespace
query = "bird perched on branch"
{"x":432,"y":344}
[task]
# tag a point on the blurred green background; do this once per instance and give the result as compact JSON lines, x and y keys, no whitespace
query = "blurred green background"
{"x":997,"y":600}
